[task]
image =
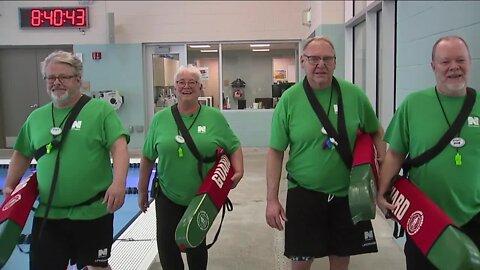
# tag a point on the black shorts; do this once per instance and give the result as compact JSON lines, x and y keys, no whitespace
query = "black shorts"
{"x":320,"y":225}
{"x":82,"y":242}
{"x":415,"y":260}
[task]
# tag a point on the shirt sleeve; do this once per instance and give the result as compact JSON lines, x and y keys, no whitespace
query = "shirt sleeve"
{"x":228,"y":139}
{"x":23,"y":143}
{"x":279,"y":139}
{"x":149,"y":150}
{"x":397,"y":134}
{"x":370,"y":123}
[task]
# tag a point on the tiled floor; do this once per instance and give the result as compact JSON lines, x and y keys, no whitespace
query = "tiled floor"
{"x":247,"y":243}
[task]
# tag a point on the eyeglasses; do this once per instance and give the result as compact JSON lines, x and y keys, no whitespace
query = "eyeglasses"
{"x":62,"y":78}
{"x":313,"y":59}
{"x":189,"y":83}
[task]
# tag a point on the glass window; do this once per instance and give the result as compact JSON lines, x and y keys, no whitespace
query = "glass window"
{"x":250,"y":70}
{"x":359,"y":51}
{"x":379,"y":54}
{"x":206,"y":58}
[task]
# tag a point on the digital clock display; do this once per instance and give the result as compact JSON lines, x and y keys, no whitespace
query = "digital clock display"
{"x":54,"y":17}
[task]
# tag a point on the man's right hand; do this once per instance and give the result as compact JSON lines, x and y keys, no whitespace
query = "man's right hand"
{"x":275,"y":215}
{"x":143,"y":201}
{"x":384,"y":205}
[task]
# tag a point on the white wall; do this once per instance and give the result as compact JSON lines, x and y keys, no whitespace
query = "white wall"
{"x":163,"y":21}
{"x":327,"y":12}
{"x":416,"y":36}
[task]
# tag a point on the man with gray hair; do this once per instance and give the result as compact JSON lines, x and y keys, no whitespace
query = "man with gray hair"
{"x":451,"y":179}
{"x":78,"y":192}
{"x":318,"y":222}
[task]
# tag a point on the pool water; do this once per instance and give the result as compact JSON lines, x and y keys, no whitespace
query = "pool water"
{"x":122,"y":219}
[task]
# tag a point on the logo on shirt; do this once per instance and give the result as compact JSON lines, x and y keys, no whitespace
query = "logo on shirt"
{"x":201,"y":129}
{"x":473,"y":121}
{"x":76,"y":125}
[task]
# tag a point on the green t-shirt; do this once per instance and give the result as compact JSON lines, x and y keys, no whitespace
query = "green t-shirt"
{"x":295,"y":124}
{"x":417,"y":126}
{"x":178,"y":176}
{"x":85,"y":167}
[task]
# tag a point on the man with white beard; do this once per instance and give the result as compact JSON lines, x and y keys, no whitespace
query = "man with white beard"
{"x":78,"y":192}
{"x":451,"y":179}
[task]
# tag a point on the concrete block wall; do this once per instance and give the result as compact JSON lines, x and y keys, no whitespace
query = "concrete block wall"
{"x":419,"y":25}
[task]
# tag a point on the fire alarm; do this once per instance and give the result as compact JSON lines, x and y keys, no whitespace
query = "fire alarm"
{"x":96,"y":55}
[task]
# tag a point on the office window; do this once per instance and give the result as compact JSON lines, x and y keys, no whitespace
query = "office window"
{"x":370,"y":52}
{"x":205,"y":56}
{"x":259,"y":65}
{"x":359,"y":53}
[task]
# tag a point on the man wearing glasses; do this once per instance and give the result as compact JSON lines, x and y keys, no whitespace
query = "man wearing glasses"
{"x":78,"y":192}
{"x":317,"y":218}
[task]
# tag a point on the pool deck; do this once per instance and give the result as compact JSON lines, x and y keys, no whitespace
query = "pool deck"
{"x":6,"y":154}
{"x":246,"y":242}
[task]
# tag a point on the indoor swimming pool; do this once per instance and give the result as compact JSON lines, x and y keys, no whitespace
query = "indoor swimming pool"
{"x":123,"y":217}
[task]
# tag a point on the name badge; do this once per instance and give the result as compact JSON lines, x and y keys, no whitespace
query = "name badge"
{"x":179,"y":139}
{"x":55,"y":131}
{"x":457,"y":142}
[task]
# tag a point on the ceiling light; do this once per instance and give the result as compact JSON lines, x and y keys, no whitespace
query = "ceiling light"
{"x":259,"y":45}
{"x":199,"y":46}
{"x":208,"y":50}
{"x":260,"y":50}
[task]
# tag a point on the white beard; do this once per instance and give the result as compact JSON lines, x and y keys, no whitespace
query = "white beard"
{"x":61,"y":99}
{"x":455,"y":87}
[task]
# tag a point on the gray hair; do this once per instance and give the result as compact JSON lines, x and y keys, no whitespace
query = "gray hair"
{"x":65,"y":58}
{"x":449,"y":38}
{"x":190,"y":69}
{"x":321,"y":38}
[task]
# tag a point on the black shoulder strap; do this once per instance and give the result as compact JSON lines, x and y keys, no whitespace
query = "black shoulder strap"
{"x":185,"y":133}
{"x":193,"y":148}
{"x":228,"y":205}
{"x":447,"y":137}
{"x":55,"y":144}
{"x":189,"y":141}
{"x":68,"y":125}
{"x":341,"y":137}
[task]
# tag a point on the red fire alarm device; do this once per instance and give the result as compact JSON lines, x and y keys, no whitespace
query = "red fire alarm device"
{"x":96,"y":55}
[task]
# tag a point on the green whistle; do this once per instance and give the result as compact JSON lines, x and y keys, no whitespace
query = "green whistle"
{"x":458,"y":159}
{"x":180,"y":152}
{"x":49,"y":148}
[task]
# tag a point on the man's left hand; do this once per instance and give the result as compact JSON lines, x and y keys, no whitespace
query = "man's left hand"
{"x":237,"y":176}
{"x":114,"y":197}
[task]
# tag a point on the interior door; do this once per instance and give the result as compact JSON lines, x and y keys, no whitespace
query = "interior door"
{"x":18,"y":83}
{"x":22,"y":88}
{"x":151,"y":91}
